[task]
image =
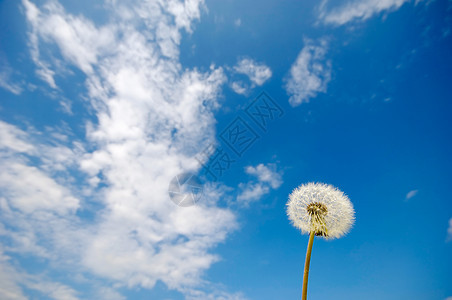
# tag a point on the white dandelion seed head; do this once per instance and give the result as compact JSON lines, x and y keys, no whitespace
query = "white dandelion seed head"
{"x":322,"y":209}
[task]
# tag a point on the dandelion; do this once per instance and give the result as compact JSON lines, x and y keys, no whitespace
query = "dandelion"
{"x":319,"y":209}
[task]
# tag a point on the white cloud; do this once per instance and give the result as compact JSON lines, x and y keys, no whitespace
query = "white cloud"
{"x":357,"y":10}
{"x":216,"y":294}
{"x":153,"y":116}
{"x":107,"y":293}
{"x":267,"y":178}
{"x":6,"y":81}
{"x":9,"y":285}
{"x":54,"y":290}
{"x":411,"y":194}
{"x":251,"y":191}
{"x":12,"y":281}
{"x":258,"y":73}
{"x":37,"y":199}
{"x":79,"y":40}
{"x":309,"y":74}
{"x":266,"y":173}
{"x":27,"y":187}
{"x":30,"y":189}
{"x":14,"y":139}
{"x":43,"y":71}
{"x":239,"y":87}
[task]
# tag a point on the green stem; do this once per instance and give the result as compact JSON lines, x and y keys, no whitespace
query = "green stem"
{"x":304,"y":294}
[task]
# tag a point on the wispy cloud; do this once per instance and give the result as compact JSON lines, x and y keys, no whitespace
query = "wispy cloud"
{"x":266,"y":173}
{"x":239,"y":87}
{"x":14,"y":139}
{"x":310,"y":73}
{"x":357,"y":10}
{"x":251,"y":191}
{"x":267,"y":178}
{"x":6,"y":80}
{"x":153,"y":116}
{"x":80,"y":42}
{"x":449,"y":230}
{"x":258,"y":73}
{"x":411,"y":194}
{"x":11,"y":281}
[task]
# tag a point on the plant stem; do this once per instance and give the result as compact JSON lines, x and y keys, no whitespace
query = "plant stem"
{"x":304,"y":294}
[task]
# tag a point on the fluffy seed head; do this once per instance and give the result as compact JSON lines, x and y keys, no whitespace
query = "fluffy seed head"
{"x":322,"y":209}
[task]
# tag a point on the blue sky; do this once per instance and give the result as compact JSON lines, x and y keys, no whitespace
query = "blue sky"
{"x":103,"y":103}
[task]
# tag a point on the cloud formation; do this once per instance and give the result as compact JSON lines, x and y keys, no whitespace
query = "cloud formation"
{"x":258,"y":73}
{"x":267,"y":178}
{"x":357,"y":10}
{"x":11,"y":281}
{"x":411,"y":194}
{"x":105,"y":211}
{"x":309,"y":74}
{"x":240,"y":87}
{"x":6,"y":81}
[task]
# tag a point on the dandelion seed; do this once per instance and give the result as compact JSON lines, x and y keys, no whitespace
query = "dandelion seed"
{"x":319,"y":209}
